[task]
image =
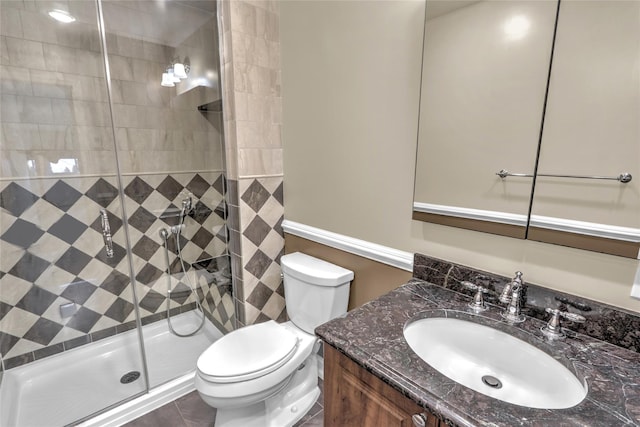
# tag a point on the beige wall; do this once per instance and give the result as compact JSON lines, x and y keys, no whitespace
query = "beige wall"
{"x":349,"y":137}
{"x":371,"y":278}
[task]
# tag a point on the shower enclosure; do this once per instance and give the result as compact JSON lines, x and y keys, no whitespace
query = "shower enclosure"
{"x":111,"y":125}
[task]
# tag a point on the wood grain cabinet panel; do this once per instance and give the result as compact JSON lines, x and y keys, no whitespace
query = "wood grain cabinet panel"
{"x":355,"y":397}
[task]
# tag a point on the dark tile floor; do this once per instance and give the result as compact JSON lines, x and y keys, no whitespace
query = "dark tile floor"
{"x":191,"y":411}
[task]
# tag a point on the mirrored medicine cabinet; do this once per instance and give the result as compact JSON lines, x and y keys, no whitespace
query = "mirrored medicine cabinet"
{"x":530,"y":121}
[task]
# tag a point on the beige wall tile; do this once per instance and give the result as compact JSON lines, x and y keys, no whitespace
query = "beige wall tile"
{"x":259,"y":161}
{"x":24,"y":53}
{"x":10,"y":24}
{"x":20,"y":136}
{"x":15,"y":81}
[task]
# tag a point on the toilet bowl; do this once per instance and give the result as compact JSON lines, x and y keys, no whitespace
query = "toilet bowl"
{"x":266,"y":375}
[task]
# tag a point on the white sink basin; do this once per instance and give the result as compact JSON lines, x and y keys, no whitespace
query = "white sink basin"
{"x":494,"y":363}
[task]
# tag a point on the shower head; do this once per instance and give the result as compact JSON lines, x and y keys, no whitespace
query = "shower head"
{"x":164,"y":234}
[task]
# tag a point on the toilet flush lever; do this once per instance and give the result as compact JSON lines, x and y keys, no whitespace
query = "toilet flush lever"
{"x":106,"y":233}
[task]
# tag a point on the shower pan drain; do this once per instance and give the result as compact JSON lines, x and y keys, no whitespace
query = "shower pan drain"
{"x":130,"y":377}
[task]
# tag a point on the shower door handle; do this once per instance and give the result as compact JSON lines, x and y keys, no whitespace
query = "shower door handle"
{"x":106,"y":233}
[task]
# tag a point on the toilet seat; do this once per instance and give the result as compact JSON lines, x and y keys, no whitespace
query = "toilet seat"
{"x":248,"y":353}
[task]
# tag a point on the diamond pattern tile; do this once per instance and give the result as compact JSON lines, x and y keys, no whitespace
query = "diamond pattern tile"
{"x":152,"y":301}
{"x":257,"y":230}
{"x":83,"y":320}
{"x":29,"y":267}
{"x":171,"y":216}
{"x":148,"y":275}
{"x":118,"y":255}
{"x":201,"y":212}
{"x":115,"y":223}
{"x":73,"y":261}
{"x":255,"y":196}
{"x":43,"y":331}
{"x":261,"y":216}
{"x":79,"y":291}
{"x":57,"y":220}
{"x":145,"y":248}
{"x":169,"y":188}
{"x":142,"y":219}
{"x":119,"y":310}
{"x":138,"y":190}
{"x":62,"y":196}
{"x":259,"y":296}
{"x":7,"y":341}
{"x":278,"y":194}
{"x":102,"y":192}
{"x":220,"y":184}
{"x":16,"y":199}
{"x":180,"y":293}
{"x":115,"y":283}
{"x":36,"y":301}
{"x":67,"y":228}
{"x":258,"y":264}
{"x":202,"y":238}
{"x":4,"y":309}
{"x":22,"y":234}
{"x":198,"y":186}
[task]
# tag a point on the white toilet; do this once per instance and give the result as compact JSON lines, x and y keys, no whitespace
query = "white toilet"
{"x":266,"y":375}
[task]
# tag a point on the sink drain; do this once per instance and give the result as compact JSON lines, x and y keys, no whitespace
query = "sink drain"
{"x":492,"y":381}
{"x":130,"y":377}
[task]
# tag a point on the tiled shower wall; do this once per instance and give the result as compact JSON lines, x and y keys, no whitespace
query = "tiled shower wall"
{"x":253,"y":109}
{"x":55,"y":106}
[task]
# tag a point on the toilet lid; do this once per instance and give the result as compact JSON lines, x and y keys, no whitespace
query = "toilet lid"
{"x":248,"y":353}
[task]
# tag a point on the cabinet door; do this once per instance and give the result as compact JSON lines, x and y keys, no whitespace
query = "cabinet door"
{"x":354,"y":397}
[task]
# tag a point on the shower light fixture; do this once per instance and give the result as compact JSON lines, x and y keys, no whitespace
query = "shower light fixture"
{"x":61,"y":16}
{"x":175,"y":78}
{"x":174,"y":73}
{"x":167,"y":79}
{"x":179,"y":70}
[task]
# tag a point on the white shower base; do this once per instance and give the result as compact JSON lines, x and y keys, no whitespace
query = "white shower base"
{"x":69,"y":386}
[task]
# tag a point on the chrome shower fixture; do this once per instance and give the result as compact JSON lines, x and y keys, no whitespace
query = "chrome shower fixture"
{"x":187,"y":205}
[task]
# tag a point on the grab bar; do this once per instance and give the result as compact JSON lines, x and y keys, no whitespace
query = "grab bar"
{"x":623,"y":177}
{"x":106,"y":233}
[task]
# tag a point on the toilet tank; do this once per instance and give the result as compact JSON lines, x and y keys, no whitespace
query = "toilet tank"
{"x":315,"y":291}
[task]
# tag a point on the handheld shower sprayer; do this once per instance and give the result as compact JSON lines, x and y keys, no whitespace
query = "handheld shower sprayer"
{"x":187,"y":206}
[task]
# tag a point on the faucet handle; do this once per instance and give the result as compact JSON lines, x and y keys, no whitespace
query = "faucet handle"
{"x":477,"y":304}
{"x":552,"y":329}
{"x":577,"y":318}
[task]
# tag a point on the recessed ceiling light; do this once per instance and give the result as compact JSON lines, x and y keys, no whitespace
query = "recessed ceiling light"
{"x":61,"y":16}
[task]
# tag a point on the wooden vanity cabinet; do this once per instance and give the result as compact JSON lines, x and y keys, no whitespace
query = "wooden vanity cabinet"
{"x":355,"y":397}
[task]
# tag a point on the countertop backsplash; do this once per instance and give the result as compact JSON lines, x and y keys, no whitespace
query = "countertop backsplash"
{"x":604,"y":322}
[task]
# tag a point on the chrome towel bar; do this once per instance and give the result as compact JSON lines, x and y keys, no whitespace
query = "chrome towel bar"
{"x":623,"y":177}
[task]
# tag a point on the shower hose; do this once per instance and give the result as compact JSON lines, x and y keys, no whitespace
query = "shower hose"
{"x":164,"y":234}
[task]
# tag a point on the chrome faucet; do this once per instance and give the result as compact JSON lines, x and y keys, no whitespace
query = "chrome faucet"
{"x":505,"y":297}
{"x":477,"y":305}
{"x":552,"y":329}
{"x":512,"y":296}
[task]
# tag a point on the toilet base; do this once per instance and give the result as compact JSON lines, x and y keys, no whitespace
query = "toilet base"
{"x":283,"y":409}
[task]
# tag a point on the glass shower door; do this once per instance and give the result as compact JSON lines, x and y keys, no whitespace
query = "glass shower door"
{"x":67,"y":306}
{"x":163,"y":62}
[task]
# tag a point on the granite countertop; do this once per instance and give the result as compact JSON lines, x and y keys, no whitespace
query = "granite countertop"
{"x":372,"y":336}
